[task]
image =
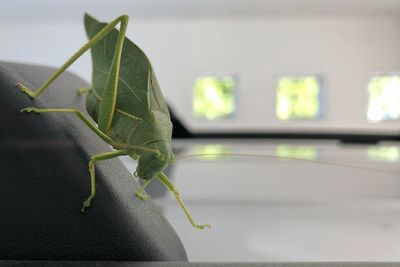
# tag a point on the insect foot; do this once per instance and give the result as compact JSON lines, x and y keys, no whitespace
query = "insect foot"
{"x":160,"y":156}
{"x":29,"y":109}
{"x":86,"y":204}
{"x":201,"y":227}
{"x":25,"y":89}
{"x":83,"y":91}
{"x":142,"y":196}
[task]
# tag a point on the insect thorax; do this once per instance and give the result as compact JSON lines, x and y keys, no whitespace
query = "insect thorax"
{"x":153,"y":159}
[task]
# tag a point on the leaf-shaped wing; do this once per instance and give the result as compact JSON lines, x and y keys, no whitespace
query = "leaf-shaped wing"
{"x":155,"y":97}
{"x":133,"y":87}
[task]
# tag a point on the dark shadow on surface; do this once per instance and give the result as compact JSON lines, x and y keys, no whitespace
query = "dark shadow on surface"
{"x":44,"y":179}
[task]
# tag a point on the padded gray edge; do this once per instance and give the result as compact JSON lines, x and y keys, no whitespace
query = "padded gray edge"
{"x":44,"y":179}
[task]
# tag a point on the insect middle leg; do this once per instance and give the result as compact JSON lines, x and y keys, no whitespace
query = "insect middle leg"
{"x":80,"y":115}
{"x":93,"y":160}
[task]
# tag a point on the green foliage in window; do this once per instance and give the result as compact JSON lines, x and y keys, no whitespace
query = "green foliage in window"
{"x":213,"y":97}
{"x":298,"y":152}
{"x":385,"y":153}
{"x":384,"y":98}
{"x":298,"y":98}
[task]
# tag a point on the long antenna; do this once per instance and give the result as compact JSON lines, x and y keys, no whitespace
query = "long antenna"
{"x":331,"y":163}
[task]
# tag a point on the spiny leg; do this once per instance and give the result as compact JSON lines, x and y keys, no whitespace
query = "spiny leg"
{"x":164,"y":179}
{"x":141,"y":193}
{"x":109,"y":97}
{"x":91,"y":125}
{"x":93,"y":160}
{"x":98,"y":157}
{"x":117,"y":153}
{"x":81,"y":116}
{"x":100,"y":35}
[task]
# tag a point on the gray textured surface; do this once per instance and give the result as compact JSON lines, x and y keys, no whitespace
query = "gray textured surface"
{"x":197,"y":264}
{"x":44,"y":178}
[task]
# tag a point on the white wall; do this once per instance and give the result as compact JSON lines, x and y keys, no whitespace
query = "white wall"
{"x":345,"y":50}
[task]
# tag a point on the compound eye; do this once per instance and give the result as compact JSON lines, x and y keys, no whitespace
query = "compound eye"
{"x":160,"y":157}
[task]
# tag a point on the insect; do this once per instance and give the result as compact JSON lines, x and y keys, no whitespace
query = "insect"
{"x":126,"y":102}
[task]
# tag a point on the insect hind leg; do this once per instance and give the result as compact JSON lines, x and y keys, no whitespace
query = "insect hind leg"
{"x":99,"y":36}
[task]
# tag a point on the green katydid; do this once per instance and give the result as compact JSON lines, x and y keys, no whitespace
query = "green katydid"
{"x":126,"y":102}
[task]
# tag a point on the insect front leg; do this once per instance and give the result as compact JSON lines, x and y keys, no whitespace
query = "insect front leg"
{"x":164,"y":179}
{"x":93,"y":160}
{"x":140,"y":193}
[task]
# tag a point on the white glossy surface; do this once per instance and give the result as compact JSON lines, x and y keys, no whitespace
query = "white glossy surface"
{"x":282,"y":210}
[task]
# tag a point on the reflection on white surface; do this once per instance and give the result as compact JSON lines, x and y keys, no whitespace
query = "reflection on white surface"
{"x":299,"y":151}
{"x":384,"y":153}
{"x":290,"y":231}
{"x":211,"y":151}
{"x":266,"y":209}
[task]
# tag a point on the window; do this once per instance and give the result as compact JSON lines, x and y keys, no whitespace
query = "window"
{"x":384,"y":98}
{"x":213,"y":97}
{"x":298,"y":97}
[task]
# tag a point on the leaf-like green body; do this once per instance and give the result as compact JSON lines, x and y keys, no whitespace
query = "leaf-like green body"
{"x":141,"y":116}
{"x":126,"y":102}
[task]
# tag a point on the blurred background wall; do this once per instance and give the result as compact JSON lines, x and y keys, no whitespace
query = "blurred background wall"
{"x":344,"y":42}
